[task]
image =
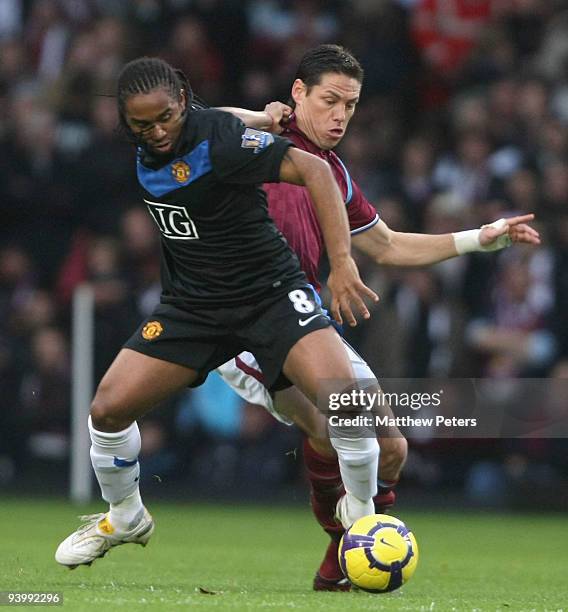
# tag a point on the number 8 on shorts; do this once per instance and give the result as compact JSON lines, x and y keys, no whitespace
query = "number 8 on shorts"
{"x":301,"y":301}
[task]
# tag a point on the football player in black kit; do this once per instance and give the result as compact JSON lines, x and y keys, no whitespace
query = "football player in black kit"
{"x":230,"y":283}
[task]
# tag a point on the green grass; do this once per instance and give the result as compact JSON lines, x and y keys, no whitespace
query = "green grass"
{"x":264,"y":558}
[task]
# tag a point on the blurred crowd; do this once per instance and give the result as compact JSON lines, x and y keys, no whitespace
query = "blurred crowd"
{"x":463,"y":119}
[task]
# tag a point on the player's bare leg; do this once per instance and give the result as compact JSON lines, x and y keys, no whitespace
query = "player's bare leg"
{"x":133,"y":385}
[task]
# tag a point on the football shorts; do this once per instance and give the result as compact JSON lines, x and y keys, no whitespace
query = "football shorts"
{"x":203,"y":339}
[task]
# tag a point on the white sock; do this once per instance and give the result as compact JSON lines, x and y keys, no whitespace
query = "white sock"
{"x":350,"y":509}
{"x":126,"y":514}
{"x":114,"y":457}
{"x":358,"y":463}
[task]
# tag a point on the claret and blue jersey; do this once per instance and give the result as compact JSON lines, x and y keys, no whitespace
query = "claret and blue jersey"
{"x":293,"y":212}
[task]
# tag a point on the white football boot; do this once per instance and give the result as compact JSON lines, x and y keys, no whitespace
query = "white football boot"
{"x":97,"y":536}
{"x":350,"y":509}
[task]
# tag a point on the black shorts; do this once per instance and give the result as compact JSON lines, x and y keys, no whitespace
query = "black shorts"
{"x":204,"y":339}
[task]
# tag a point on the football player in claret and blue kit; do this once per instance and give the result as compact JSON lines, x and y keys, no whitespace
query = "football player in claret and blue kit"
{"x":230,"y":284}
{"x":325,"y":94}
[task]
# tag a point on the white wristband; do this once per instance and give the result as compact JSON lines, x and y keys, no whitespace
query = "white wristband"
{"x":468,"y":241}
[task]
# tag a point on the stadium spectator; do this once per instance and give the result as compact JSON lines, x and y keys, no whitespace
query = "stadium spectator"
{"x":514,"y":335}
{"x":45,"y":396}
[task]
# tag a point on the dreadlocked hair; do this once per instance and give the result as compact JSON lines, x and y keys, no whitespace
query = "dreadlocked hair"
{"x":147,"y":74}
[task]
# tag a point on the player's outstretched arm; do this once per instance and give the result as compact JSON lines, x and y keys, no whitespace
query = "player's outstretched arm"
{"x":271,"y":119}
{"x":388,"y":247}
{"x":344,"y":282}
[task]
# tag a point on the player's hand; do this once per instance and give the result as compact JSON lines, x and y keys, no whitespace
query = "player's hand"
{"x":503,"y":232}
{"x":347,"y":288}
{"x":280,"y":114}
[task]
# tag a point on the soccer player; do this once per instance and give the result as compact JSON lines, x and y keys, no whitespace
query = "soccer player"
{"x":230,"y":284}
{"x":325,"y":94}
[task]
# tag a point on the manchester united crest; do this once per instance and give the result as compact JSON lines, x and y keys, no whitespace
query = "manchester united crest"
{"x":181,"y":171}
{"x":152,"y":330}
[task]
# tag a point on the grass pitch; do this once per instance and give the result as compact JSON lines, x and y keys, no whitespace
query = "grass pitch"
{"x":252,"y":558}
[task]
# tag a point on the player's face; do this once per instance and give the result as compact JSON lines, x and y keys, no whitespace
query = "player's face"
{"x":156,"y":118}
{"x":324,"y":111}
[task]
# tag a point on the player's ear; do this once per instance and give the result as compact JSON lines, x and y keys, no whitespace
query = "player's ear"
{"x":183,"y":99}
{"x":299,"y":90}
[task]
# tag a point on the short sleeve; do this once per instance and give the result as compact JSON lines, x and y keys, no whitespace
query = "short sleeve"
{"x":362,"y":214}
{"x":245,"y":156}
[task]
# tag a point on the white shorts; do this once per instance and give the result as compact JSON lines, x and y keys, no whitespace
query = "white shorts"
{"x":244,"y":376}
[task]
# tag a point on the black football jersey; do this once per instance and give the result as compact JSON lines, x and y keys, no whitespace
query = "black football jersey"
{"x":219,"y":245}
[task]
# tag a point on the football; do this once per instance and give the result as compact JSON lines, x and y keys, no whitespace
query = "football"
{"x":378,"y":553}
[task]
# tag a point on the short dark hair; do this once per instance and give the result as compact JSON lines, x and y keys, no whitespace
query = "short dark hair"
{"x":328,"y":58}
{"x":146,"y":74}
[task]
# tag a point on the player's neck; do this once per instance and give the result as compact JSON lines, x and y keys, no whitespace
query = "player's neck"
{"x":304,"y":126}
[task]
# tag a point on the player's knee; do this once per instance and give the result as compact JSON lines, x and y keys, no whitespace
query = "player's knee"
{"x":315,"y":428}
{"x":106,"y":415}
